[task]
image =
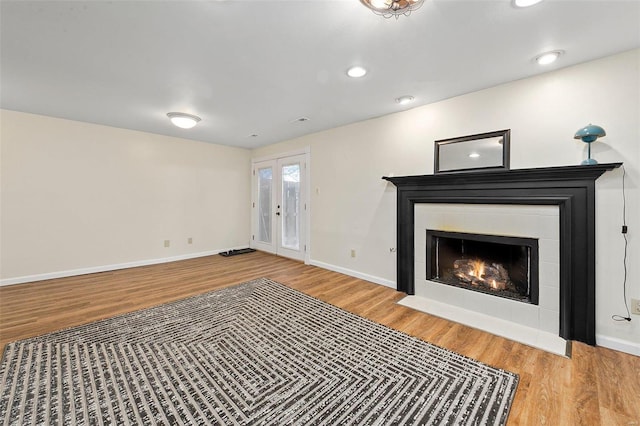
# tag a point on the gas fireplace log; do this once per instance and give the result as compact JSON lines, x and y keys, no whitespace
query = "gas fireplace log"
{"x":479,"y":273}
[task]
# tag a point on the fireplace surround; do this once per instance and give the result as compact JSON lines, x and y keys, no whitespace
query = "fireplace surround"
{"x":571,"y":188}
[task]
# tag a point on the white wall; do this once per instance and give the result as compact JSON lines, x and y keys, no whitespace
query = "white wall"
{"x":79,"y":197}
{"x":351,"y":207}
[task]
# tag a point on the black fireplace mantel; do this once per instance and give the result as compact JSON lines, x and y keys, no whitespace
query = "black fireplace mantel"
{"x":572,"y":188}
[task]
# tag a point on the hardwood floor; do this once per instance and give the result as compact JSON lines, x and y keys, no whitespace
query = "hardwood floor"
{"x":597,"y":386}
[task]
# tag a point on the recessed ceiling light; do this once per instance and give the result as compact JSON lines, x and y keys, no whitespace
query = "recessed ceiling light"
{"x":356,"y":72}
{"x":474,"y":155}
{"x":403,"y":100}
{"x":525,"y":3}
{"x":548,"y":57}
{"x":182,"y":120}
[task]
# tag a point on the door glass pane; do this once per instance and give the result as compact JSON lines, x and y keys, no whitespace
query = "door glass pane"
{"x":265,"y":185}
{"x":291,"y":206}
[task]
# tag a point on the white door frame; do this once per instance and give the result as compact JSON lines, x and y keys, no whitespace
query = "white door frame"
{"x":306,"y":199}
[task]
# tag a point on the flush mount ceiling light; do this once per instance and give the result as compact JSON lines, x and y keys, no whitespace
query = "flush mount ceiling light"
{"x":183,"y":120}
{"x":403,"y":100}
{"x":525,"y":3}
{"x":548,"y":57}
{"x":356,"y":72}
{"x":395,"y":8}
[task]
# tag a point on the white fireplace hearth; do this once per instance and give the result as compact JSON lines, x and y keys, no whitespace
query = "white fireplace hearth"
{"x":531,"y":324}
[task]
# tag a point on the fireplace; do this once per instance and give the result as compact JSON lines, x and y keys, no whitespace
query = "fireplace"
{"x":502,"y":266}
{"x":571,"y":188}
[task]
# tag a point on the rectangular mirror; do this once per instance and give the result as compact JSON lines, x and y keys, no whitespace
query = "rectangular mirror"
{"x":485,"y":151}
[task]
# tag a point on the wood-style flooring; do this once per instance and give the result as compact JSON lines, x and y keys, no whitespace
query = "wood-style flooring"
{"x":597,"y":386}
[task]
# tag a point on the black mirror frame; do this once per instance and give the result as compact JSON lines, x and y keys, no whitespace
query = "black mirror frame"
{"x":506,"y":148}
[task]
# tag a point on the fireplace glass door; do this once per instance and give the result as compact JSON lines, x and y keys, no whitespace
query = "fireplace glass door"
{"x":503,"y":266}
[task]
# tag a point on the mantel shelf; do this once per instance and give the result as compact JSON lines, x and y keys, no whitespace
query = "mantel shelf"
{"x":540,"y":174}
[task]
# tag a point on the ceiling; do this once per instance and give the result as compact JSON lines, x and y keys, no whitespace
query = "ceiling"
{"x":256,"y":67}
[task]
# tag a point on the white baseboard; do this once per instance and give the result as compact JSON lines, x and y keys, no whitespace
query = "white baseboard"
{"x":105,"y":268}
{"x":618,"y":344}
{"x":356,"y":274}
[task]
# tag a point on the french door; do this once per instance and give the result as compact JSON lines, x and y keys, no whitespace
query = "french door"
{"x":279,"y":206}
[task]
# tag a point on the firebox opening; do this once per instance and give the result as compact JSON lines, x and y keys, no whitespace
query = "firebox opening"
{"x":498,"y":265}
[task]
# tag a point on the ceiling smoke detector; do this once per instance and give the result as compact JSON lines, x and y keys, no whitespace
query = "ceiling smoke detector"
{"x":403,"y":100}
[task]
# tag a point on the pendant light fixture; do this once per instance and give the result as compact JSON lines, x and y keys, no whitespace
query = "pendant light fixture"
{"x":395,"y":8}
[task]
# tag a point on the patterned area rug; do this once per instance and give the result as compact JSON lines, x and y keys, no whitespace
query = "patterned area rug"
{"x":258,"y":353}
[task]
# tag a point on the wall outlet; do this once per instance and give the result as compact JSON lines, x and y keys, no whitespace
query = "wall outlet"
{"x":635,"y":306}
{"x":167,"y":243}
{"x":190,"y":240}
{"x":353,"y":253}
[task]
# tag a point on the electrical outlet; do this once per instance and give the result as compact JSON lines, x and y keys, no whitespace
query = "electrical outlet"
{"x":353,"y":253}
{"x":190,"y":240}
{"x":635,"y":306}
{"x":167,"y":243}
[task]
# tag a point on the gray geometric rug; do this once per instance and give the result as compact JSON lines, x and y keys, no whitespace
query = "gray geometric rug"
{"x":258,"y":353}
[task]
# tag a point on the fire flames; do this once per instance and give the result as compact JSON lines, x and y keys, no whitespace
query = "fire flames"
{"x":477,"y":268}
{"x":479,"y":273}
